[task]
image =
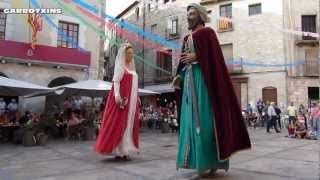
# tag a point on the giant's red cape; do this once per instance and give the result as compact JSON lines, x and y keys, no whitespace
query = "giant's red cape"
{"x":231,"y":131}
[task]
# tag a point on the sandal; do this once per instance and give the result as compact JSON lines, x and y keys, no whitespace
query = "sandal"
{"x":127,"y":158}
{"x":118,"y":158}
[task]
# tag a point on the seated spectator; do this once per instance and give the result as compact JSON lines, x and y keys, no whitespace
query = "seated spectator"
{"x":291,"y":130}
{"x":73,"y":120}
{"x":61,"y":125}
{"x":25,"y":118}
{"x":300,"y":131}
{"x":4,"y":118}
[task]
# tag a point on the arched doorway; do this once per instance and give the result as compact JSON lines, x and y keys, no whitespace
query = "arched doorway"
{"x":270,"y":94}
{"x":3,"y":75}
{"x":61,"y":81}
{"x":54,"y":101}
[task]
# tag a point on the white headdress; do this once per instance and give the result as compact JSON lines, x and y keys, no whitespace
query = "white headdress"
{"x":202,"y":11}
{"x":120,"y":63}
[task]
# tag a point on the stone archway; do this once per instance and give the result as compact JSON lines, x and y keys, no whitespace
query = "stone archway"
{"x":52,"y":101}
{"x":61,"y":81}
{"x":3,"y":75}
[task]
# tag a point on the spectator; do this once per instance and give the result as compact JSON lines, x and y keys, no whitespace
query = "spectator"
{"x":278,"y":112}
{"x":265,"y":117}
{"x":249,"y":109}
{"x":13,"y":109}
{"x":272,"y":118}
{"x":77,"y":105}
{"x":291,"y":130}
{"x":67,"y":105}
{"x":312,"y":116}
{"x":303,"y":110}
{"x":60,"y":126}
{"x":13,"y":106}
{"x":317,"y":122}
{"x":292,"y":111}
{"x":300,"y":131}
{"x":3,"y":106}
{"x":25,"y":118}
{"x":260,"y":106}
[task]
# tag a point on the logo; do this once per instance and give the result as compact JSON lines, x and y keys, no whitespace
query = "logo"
{"x":32,"y":11}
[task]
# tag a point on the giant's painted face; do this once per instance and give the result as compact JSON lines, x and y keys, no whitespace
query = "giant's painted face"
{"x":194,"y":18}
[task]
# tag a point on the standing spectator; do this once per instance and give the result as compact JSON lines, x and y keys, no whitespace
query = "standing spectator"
{"x":67,"y":105}
{"x":260,"y":106}
{"x":312,"y":116}
{"x":278,"y":112}
{"x":292,"y":112}
{"x":272,"y":118}
{"x":317,"y":122}
{"x":77,"y":105}
{"x":265,"y":117}
{"x":13,"y":109}
{"x":249,"y":109}
{"x":3,"y":106}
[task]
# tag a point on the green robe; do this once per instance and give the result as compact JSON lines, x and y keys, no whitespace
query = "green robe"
{"x":198,"y":148}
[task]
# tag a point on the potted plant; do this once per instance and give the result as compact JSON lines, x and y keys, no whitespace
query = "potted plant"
{"x":28,"y":135}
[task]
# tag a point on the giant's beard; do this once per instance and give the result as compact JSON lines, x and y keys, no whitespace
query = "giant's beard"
{"x":193,"y":23}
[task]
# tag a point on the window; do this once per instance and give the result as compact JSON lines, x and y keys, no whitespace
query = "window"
{"x":149,"y":7}
{"x":68,"y":34}
{"x":312,"y":64}
{"x":254,"y":9}
{"x":308,"y":25}
{"x":3,"y":19}
{"x":174,"y":26}
{"x":164,"y":61}
{"x":154,"y":28}
{"x":157,"y":2}
{"x":226,"y":10}
{"x":227,"y":51}
{"x":137,"y":13}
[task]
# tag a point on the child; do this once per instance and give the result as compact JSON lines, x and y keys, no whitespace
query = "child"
{"x":291,"y":130}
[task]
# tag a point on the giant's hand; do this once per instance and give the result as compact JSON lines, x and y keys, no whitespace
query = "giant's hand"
{"x":187,"y":58}
{"x":176,"y":82}
{"x":118,"y":99}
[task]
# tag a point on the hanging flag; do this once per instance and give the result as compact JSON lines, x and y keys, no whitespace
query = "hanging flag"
{"x":36,"y":23}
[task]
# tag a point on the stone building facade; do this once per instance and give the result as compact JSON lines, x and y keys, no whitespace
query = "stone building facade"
{"x":168,"y":21}
{"x":303,"y":80}
{"x":255,"y":38}
{"x":257,"y":35}
{"x":51,"y":63}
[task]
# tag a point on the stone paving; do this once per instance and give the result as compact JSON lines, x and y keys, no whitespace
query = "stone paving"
{"x":273,"y":157}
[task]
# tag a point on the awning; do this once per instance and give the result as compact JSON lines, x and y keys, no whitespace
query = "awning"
{"x":12,"y":87}
{"x":90,"y":88}
{"x":160,"y":88}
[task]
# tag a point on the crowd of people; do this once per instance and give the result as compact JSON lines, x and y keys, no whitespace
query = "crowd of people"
{"x":301,"y":122}
{"x":63,"y":121}
{"x":8,"y":111}
{"x":162,"y":117}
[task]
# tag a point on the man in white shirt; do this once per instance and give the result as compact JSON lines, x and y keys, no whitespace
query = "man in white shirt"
{"x":2,"y":106}
{"x":272,"y":117}
{"x":13,"y":106}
